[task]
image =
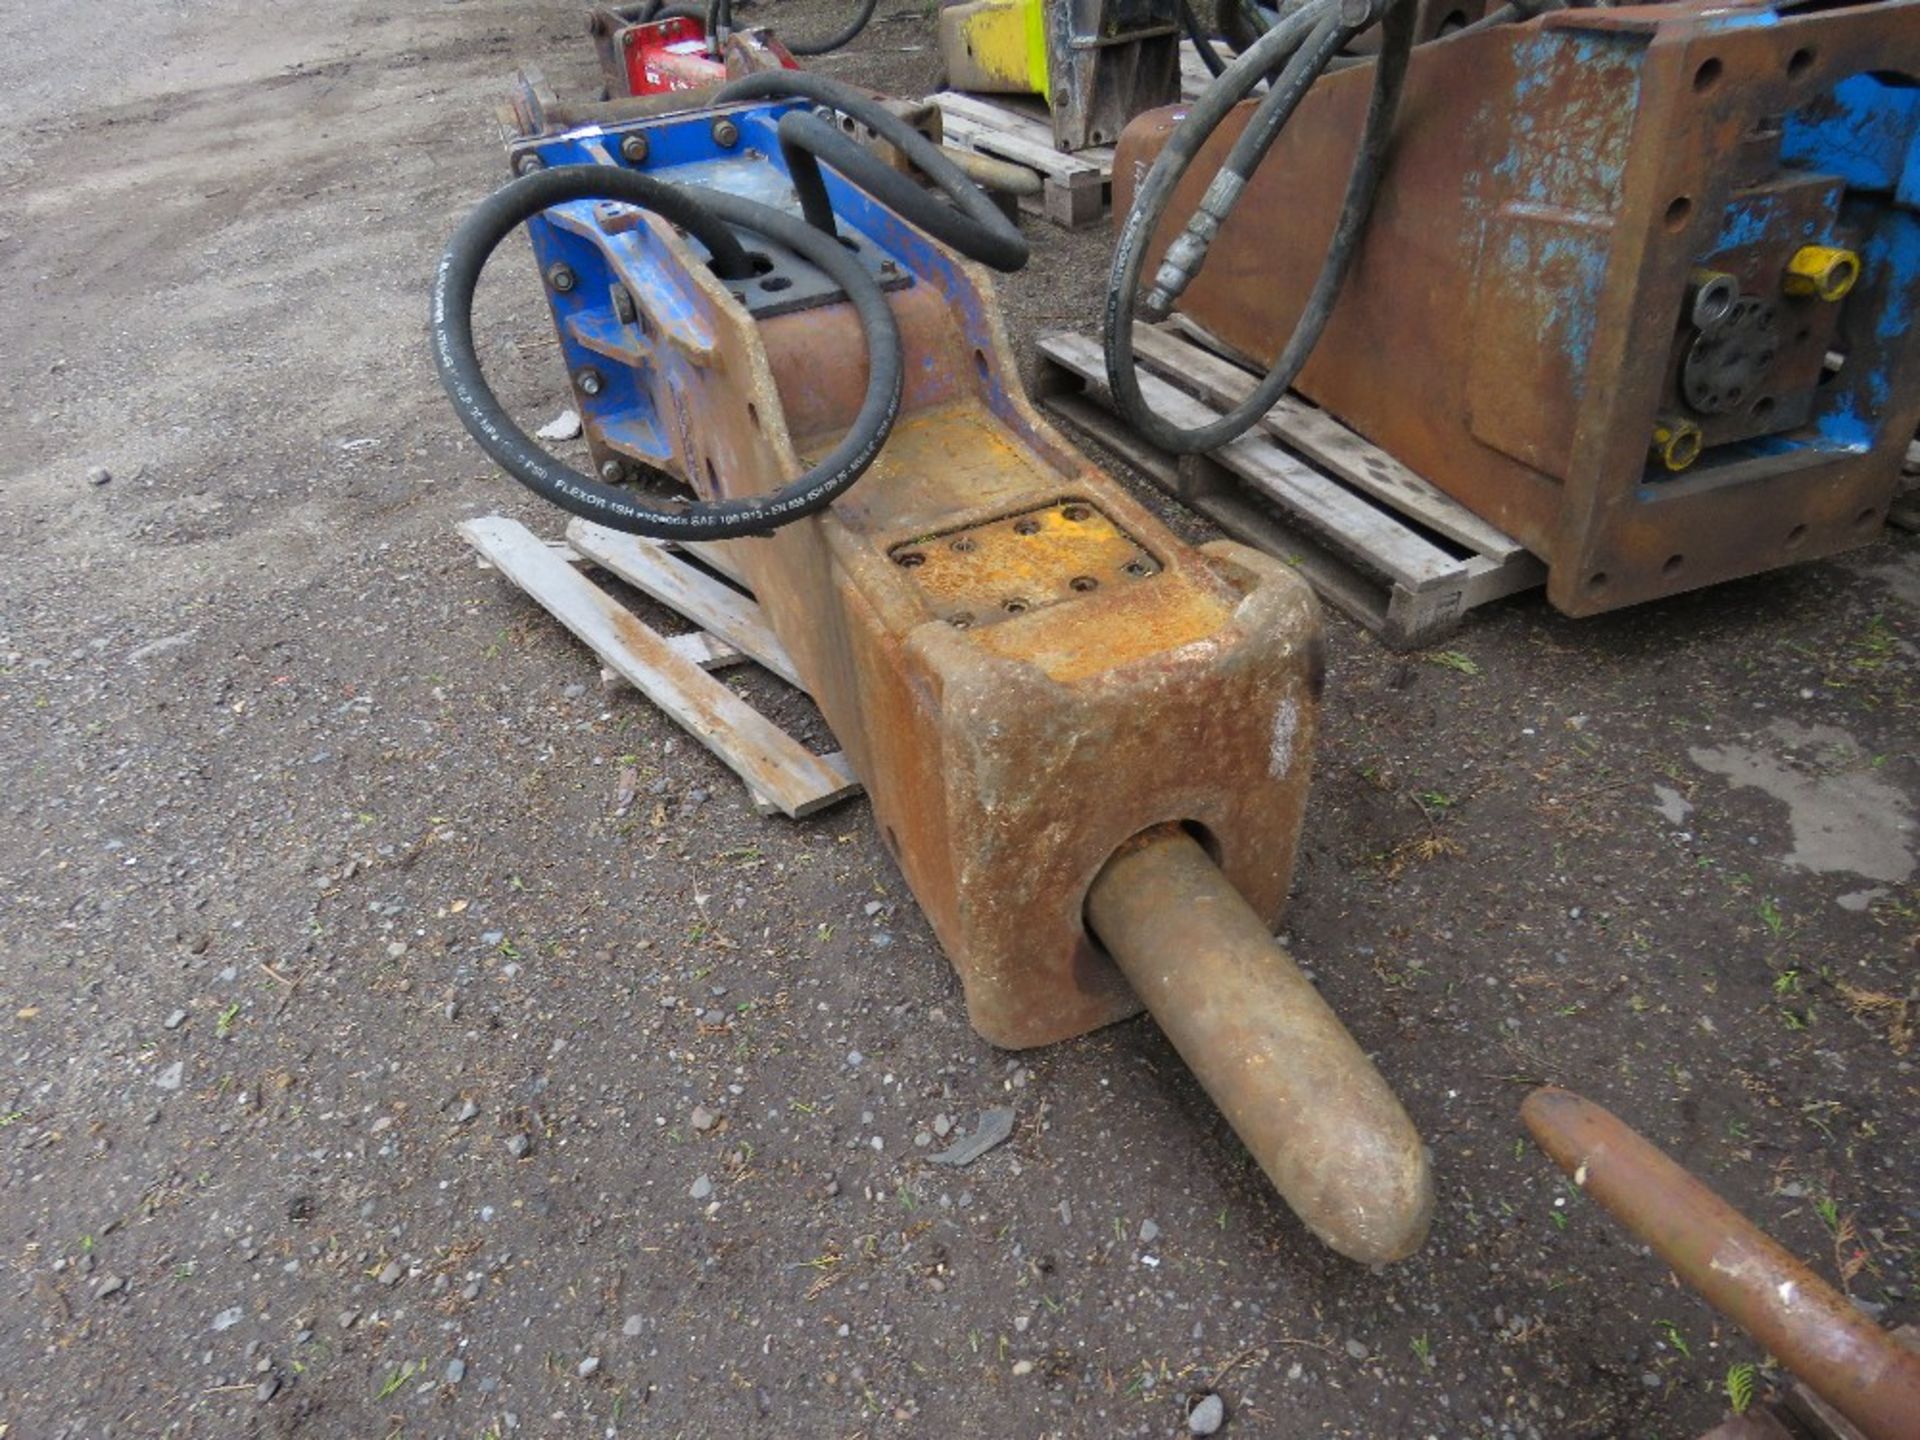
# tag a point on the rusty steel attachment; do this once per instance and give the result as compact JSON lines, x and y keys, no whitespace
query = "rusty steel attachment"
{"x":1291,"y":1081}
{"x":1023,"y":665}
{"x":1815,"y":1331}
{"x":1638,"y":282}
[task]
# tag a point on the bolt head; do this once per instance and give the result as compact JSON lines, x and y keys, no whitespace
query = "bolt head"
{"x":611,"y":471}
{"x":528,"y":163}
{"x":589,"y":382}
{"x":726,"y":134}
{"x":633,"y":149}
{"x":561,"y":278}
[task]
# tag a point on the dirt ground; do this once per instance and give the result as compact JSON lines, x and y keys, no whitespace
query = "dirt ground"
{"x":353,"y":1036}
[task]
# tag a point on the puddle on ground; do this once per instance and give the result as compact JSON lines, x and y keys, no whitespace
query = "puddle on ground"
{"x":1846,"y":816}
{"x":1901,"y":574}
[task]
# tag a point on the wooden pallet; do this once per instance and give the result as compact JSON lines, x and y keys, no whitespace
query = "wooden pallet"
{"x":672,"y":671}
{"x":1194,"y":75}
{"x":1373,"y":538}
{"x":1075,"y":189}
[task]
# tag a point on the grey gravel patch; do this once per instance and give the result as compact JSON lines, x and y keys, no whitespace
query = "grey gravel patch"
{"x":994,"y":1127}
{"x":229,"y":1318}
{"x":111,"y":1285}
{"x":467,"y":1111}
{"x":175,"y":1020}
{"x":1149,"y":1232}
{"x":1674,"y":807}
{"x":390,"y":1273}
{"x":159,"y":647}
{"x":519,"y":1146}
{"x":633,"y":1326}
{"x":1357,"y":1350}
{"x":1207,"y":1416}
{"x":701,"y":1188}
{"x":456,"y":1371}
{"x":99,"y":475}
{"x":173,"y":1077}
{"x":1860,"y":901}
{"x":266,"y":1390}
{"x":703,"y":1119}
{"x":588,"y":1367}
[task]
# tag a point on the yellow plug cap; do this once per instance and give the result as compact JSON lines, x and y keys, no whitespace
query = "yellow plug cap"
{"x":1677,"y":443}
{"x":1821,"y":272}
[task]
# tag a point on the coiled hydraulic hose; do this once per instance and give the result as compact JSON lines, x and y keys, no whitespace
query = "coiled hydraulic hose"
{"x":1304,"y":42}
{"x":719,"y":21}
{"x":971,"y":224}
{"x":705,"y":215}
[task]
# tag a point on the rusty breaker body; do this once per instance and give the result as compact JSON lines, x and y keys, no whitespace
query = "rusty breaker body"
{"x":1638,"y":285}
{"x":1066,"y":717}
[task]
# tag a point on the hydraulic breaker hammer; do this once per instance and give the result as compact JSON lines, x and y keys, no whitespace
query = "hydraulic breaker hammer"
{"x":1086,"y":742}
{"x":1636,"y":283}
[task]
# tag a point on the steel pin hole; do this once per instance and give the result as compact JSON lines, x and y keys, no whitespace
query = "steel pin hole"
{"x":1026,"y":527}
{"x":908,"y":559}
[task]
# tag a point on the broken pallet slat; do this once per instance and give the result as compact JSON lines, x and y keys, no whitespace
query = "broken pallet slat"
{"x":704,"y":650}
{"x":777,"y":769}
{"x":713,"y":606}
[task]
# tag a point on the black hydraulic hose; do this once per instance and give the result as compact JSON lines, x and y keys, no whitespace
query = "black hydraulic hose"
{"x":839,"y":37}
{"x":706,"y":216}
{"x":652,"y":10}
{"x":719,"y":18}
{"x":972,"y":224}
{"x":1316,"y":31}
{"x":1202,"y":42}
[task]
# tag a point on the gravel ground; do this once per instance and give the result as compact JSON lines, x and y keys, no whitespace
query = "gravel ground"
{"x":372,"y":1070}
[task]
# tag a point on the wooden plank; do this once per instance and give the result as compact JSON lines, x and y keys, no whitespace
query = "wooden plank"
{"x":706,"y":651}
{"x":562,"y":551}
{"x":1321,"y":438}
{"x":1074,"y":192}
{"x":774,"y":766}
{"x":1368,"y":536}
{"x":708,"y":603}
{"x":980,"y":124}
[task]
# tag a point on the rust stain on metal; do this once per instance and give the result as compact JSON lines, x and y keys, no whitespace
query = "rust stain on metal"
{"x":985,"y":573}
{"x":1814,"y":1330}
